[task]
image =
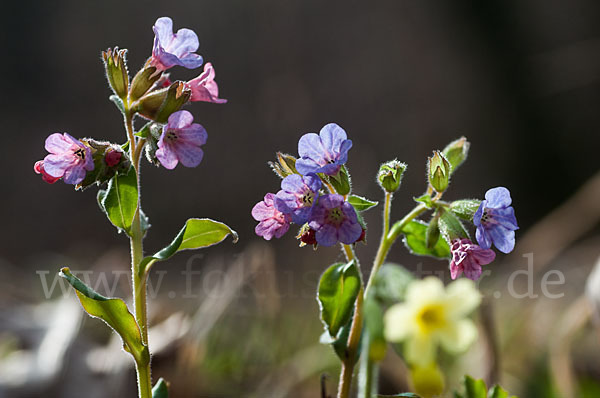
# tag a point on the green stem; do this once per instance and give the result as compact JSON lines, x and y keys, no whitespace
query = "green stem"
{"x":138,"y":279}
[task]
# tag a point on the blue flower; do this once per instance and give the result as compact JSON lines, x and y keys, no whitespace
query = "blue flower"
{"x":171,"y":49}
{"x":323,"y":153}
{"x":495,"y":221}
{"x":333,"y":220}
{"x":297,"y":196}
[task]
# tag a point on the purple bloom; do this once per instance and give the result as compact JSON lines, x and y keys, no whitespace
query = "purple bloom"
{"x":180,"y":141}
{"x":495,"y":221}
{"x":334,"y":220}
{"x":467,"y":257}
{"x":38,"y":167}
{"x":204,"y":87}
{"x":323,"y":153}
{"x":173,"y":49}
{"x":69,"y":158}
{"x":297,"y":196}
{"x":272,"y":222}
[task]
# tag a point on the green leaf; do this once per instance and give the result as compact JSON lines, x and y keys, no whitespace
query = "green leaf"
{"x":426,"y":200}
{"x":119,"y":200}
{"x":197,"y":233}
{"x":391,"y":282}
{"x":415,"y":240}
{"x":338,"y":287}
{"x":474,"y":388}
{"x":161,"y":389}
{"x":465,"y":208}
{"x":451,"y":227}
{"x":360,"y":203}
{"x":404,"y":394}
{"x":497,"y":392}
{"x":374,"y":339}
{"x":113,"y":311}
{"x":340,"y":342}
{"x":432,"y":234}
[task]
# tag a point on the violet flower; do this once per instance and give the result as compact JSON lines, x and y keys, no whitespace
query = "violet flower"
{"x":323,"y":153}
{"x":171,"y":49}
{"x":297,"y":196}
{"x":204,"y":87}
{"x":333,"y":220}
{"x":272,"y":222}
{"x":495,"y":221}
{"x":467,"y":257}
{"x":69,"y":159}
{"x":180,"y":141}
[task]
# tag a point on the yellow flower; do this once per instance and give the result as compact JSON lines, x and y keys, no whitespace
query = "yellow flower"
{"x":432,"y":315}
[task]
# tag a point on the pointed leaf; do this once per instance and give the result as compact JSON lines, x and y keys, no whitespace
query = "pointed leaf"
{"x":474,"y":388}
{"x":360,"y":203}
{"x":415,"y":240}
{"x":113,"y":311}
{"x":161,"y":389}
{"x":338,"y":287}
{"x":119,"y":200}
{"x":197,"y":233}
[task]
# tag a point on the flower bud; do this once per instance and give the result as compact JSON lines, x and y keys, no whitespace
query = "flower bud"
{"x":341,"y":181}
{"x":456,"y":152}
{"x":285,"y":166}
{"x":427,"y":381}
{"x":390,"y":175}
{"x":116,"y":71}
{"x":158,"y":105}
{"x":143,"y":81}
{"x":439,"y":171}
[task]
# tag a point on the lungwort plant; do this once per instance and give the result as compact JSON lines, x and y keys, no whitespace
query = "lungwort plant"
{"x":416,"y":316}
{"x":168,"y":137}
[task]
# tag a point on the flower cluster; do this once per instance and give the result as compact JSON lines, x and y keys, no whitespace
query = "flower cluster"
{"x":496,"y":223}
{"x":171,"y":135}
{"x":326,"y":217}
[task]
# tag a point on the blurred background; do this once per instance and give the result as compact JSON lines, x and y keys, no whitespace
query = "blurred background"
{"x":520,"y":79}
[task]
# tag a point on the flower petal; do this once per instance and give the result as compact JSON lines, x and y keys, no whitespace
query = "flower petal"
{"x":57,"y":143}
{"x":503,"y":239}
{"x":498,"y":197}
{"x":420,"y":349}
{"x":189,"y":155}
{"x":458,"y":336}
{"x":462,"y":297}
{"x":398,"y":322}
{"x":179,"y":120}
{"x":326,"y":235}
{"x":483,"y":237}
{"x":166,"y":156}
{"x":332,"y":137}
{"x":429,"y":288}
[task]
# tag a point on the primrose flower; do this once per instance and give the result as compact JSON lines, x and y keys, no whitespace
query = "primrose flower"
{"x":174,"y":49}
{"x":333,"y":220}
{"x":495,"y":221}
{"x":69,"y":159}
{"x":180,"y":141}
{"x":272,"y":222}
{"x":432,"y":316}
{"x":467,"y":257}
{"x":323,"y":153}
{"x":38,"y":167}
{"x":204,"y":87}
{"x":297,"y":196}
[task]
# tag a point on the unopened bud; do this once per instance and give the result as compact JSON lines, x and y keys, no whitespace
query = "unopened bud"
{"x":439,"y":171}
{"x":109,"y":159}
{"x":341,"y":181}
{"x":285,"y":165}
{"x":456,"y":152}
{"x":116,"y":71}
{"x":143,"y":81}
{"x":158,"y":105}
{"x":390,"y":175}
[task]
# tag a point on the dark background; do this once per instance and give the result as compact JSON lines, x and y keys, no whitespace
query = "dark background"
{"x":520,"y":79}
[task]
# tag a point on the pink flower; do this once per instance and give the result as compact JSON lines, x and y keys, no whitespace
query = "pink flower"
{"x":468,"y":257}
{"x":180,"y":141}
{"x":204,"y":87}
{"x":272,"y":222}
{"x":38,"y":167}
{"x":69,"y":159}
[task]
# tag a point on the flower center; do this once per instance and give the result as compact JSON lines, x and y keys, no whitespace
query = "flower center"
{"x":335,"y":216}
{"x":171,"y":135}
{"x":80,"y":153}
{"x":307,"y":199}
{"x":431,"y":317}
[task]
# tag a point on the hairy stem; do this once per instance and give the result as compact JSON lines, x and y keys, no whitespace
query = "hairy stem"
{"x":138,"y":278}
